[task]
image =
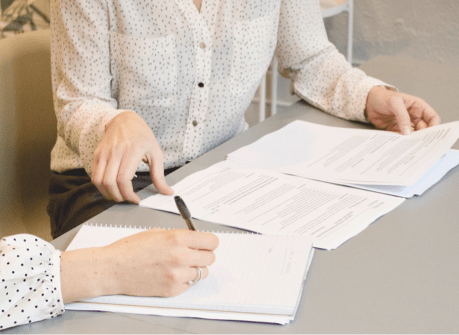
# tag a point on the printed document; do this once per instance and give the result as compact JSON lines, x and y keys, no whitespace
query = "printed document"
{"x":273,"y":203}
{"x":449,"y":161}
{"x":350,"y":156}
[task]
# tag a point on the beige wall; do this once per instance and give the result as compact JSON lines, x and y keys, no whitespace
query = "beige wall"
{"x":420,"y":29}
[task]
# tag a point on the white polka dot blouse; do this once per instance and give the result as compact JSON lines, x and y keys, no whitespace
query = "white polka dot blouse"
{"x":190,"y":75}
{"x":30,"y":285}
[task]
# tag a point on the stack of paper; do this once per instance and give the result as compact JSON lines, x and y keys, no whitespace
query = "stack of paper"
{"x":259,"y":188}
{"x":350,"y":156}
{"x":254,"y":278}
{"x":449,"y":161}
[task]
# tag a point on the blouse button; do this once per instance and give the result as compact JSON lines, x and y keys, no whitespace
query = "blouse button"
{"x":202,"y":45}
{"x":195,"y":123}
{"x":201,"y":84}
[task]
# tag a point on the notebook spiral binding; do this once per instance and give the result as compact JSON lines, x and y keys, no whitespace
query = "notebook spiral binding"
{"x":106,"y":225}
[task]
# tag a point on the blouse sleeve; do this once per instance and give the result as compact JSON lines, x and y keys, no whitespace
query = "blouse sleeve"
{"x":81,"y":78}
{"x":320,"y":74}
{"x":30,"y":280}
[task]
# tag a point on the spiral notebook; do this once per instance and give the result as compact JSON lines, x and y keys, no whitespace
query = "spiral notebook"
{"x":254,"y":278}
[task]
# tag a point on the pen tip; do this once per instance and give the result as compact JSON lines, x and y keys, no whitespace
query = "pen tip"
{"x":177,"y":197}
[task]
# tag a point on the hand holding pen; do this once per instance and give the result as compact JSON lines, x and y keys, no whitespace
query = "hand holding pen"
{"x":186,"y":215}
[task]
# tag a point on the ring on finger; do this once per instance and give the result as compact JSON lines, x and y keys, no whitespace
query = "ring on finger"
{"x":192,"y":282}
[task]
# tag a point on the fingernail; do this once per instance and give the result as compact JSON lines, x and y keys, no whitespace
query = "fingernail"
{"x":406,"y":130}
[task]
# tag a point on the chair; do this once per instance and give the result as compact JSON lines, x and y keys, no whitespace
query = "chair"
{"x":329,"y":8}
{"x":27,"y":133}
{"x":333,"y":7}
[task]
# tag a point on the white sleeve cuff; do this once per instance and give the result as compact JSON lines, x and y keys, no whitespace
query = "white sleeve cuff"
{"x":359,"y":97}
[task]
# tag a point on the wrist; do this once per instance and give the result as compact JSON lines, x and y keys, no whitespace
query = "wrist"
{"x":371,"y":101}
{"x":374,"y":90}
{"x":87,"y":273}
{"x":121,"y":118}
{"x":107,"y":265}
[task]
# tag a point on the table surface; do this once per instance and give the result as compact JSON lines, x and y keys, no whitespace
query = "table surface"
{"x":399,"y":275}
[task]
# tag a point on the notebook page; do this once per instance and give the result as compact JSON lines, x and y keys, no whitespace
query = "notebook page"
{"x":252,"y":274}
{"x":100,"y":235}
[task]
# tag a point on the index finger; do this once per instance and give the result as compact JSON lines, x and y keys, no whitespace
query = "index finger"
{"x":399,"y":110}
{"x":155,"y":161}
{"x":202,"y":241}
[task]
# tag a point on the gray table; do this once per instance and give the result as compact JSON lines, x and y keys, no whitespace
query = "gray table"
{"x":397,"y":276}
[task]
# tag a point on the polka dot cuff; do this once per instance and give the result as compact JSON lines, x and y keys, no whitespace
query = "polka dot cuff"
{"x":30,"y":280}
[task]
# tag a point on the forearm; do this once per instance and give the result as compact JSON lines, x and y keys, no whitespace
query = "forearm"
{"x":87,"y":273}
{"x":328,"y":82}
{"x":320,"y":74}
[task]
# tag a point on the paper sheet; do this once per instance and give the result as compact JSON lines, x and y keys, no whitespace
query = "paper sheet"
{"x":273,"y":203}
{"x":349,"y":156}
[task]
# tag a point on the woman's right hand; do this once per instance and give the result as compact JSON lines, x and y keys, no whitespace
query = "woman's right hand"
{"x":127,"y":141}
{"x":155,"y":262}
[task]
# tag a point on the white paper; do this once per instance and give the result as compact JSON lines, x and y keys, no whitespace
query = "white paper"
{"x":350,"y":156}
{"x":273,"y":203}
{"x":449,"y":161}
{"x":253,"y":274}
{"x":253,"y":317}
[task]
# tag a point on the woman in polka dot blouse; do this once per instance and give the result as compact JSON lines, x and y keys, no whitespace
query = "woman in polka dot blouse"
{"x":142,"y":87}
{"x":36,"y":280}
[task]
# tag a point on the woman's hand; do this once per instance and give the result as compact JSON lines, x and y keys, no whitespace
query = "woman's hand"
{"x":128,"y":140}
{"x":155,"y":262}
{"x":399,"y":112}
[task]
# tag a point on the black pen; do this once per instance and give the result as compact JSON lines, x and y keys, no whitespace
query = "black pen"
{"x":184,"y":212}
